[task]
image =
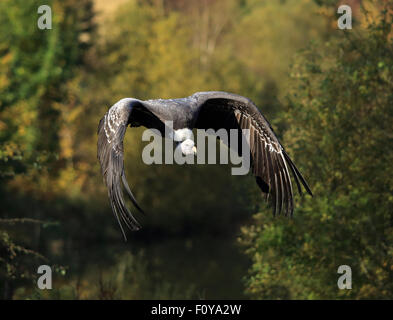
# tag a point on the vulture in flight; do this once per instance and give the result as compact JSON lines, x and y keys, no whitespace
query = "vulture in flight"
{"x":270,"y":164}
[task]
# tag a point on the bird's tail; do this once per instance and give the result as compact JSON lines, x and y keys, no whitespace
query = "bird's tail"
{"x":111,"y":130}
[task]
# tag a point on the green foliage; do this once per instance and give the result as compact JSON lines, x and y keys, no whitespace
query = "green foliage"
{"x":130,"y":277}
{"x":56,"y":84}
{"x":15,"y":259}
{"x":34,"y":65}
{"x":339,"y":117}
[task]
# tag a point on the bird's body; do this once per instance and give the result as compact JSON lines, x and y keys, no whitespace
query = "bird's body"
{"x":203,"y":110}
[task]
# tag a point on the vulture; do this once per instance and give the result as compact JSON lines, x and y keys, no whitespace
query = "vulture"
{"x":270,"y":163}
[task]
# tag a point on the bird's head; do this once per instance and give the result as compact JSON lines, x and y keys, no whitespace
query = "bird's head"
{"x":184,"y":140}
{"x":187,"y":147}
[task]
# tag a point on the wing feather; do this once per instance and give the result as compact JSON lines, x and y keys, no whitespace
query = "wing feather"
{"x":270,"y":162}
{"x":111,"y":131}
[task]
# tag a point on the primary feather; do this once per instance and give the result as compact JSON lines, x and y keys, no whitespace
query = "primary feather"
{"x":204,"y":110}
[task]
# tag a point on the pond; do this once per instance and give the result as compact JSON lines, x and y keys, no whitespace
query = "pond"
{"x":198,"y":267}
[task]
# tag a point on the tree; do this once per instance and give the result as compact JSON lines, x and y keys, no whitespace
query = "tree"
{"x":35,"y":64}
{"x":339,"y":114}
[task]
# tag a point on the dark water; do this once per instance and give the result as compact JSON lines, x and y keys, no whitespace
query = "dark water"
{"x":214,"y":266}
{"x":198,"y":267}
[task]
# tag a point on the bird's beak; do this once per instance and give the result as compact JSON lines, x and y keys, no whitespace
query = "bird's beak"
{"x":194,"y":149}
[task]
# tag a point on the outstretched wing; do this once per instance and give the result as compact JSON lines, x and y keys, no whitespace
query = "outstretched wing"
{"x":111,"y":130}
{"x":270,"y":163}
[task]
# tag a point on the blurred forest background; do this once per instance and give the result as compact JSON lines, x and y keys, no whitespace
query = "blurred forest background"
{"x":327,"y":92}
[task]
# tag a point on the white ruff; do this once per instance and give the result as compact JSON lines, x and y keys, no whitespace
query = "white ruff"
{"x":182,"y":134}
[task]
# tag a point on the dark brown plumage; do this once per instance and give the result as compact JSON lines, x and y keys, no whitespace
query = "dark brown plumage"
{"x":271,"y":165}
